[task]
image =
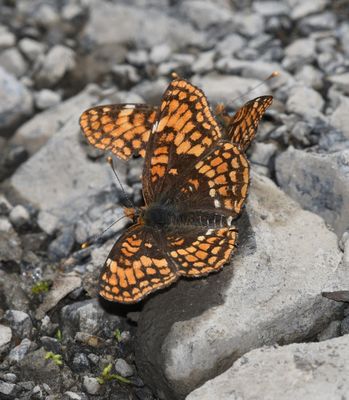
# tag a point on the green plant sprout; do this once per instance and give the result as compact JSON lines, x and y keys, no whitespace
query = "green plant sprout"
{"x":41,"y":287}
{"x":58,"y":335}
{"x":56,"y":358}
{"x":117,"y":335}
{"x":107,"y":376}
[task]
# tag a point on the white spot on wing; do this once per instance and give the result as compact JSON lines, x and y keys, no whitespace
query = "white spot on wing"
{"x":229,"y":220}
{"x":109,"y":261}
{"x":217,"y":203}
{"x":155,"y":126}
{"x":209,"y":232}
{"x":130,"y":106}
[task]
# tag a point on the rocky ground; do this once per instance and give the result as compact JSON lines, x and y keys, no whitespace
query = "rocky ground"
{"x":57,"y":341}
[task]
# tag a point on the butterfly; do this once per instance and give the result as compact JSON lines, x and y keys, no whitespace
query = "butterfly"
{"x":195,"y":182}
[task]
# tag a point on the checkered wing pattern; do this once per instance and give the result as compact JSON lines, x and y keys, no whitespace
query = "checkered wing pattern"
{"x":122,"y":128}
{"x":136,"y":266}
{"x":199,"y":251}
{"x":242,"y":126}
{"x":218,"y":183}
{"x":184,"y":131}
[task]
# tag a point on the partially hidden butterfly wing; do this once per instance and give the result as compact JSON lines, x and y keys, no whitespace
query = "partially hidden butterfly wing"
{"x":136,"y":266}
{"x":123,"y":129}
{"x":242,"y":126}
{"x":185,"y":130}
{"x":198,"y":251}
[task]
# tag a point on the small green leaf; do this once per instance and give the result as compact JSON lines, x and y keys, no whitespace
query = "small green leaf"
{"x":107,"y":376}
{"x":41,"y":287}
{"x":117,"y":335}
{"x":56,"y":358}
{"x":59,"y":335}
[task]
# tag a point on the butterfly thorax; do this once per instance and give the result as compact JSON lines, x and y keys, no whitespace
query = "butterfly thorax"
{"x":159,"y":215}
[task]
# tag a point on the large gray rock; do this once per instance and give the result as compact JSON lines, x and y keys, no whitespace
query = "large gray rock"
{"x":319,"y":182}
{"x":16,"y":102}
{"x":225,"y":89}
{"x":60,"y":180}
{"x":35,"y":133}
{"x":123,"y":24}
{"x":340,"y":117}
{"x":307,"y":371}
{"x":271,"y":293}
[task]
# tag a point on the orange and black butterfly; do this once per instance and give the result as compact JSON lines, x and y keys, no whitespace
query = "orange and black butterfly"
{"x":195,"y":182}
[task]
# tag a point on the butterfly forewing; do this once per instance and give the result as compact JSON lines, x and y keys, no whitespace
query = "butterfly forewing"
{"x":184,"y":131}
{"x":241,"y":128}
{"x":218,"y":182}
{"x":136,"y":266}
{"x":122,"y":128}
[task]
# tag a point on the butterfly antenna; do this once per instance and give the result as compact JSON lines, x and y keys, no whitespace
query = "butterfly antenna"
{"x":274,"y":74}
{"x":110,"y":162}
{"x":95,"y":238}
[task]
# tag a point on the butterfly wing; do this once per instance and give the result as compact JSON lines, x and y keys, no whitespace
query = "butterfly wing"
{"x":122,"y":128}
{"x":136,"y":266}
{"x":217,"y":185}
{"x":241,"y":128}
{"x":185,"y":130}
{"x":198,"y":251}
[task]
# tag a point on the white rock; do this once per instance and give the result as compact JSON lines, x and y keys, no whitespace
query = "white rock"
{"x":7,"y":38}
{"x":5,"y":337}
{"x":31,"y":48}
{"x":66,"y":182}
{"x":204,"y":62}
{"x":299,"y":52}
{"x":305,"y":102}
{"x":319,"y":182}
{"x":35,"y":133}
{"x":123,"y":368}
{"x":205,"y":14}
{"x":112,"y":23}
{"x":341,"y":81}
{"x":307,"y":371}
{"x":91,"y":385}
{"x":62,"y":286}
{"x":224,"y":88}
{"x":15,"y":101}
{"x":271,"y":292}
{"x":19,"y":216}
{"x":340,"y":117}
{"x":12,"y":60}
{"x":56,"y":63}
{"x":249,"y":25}
{"x":46,"y":99}
{"x":304,"y":8}
{"x":310,"y":76}
{"x":271,"y":8}
{"x":160,"y":53}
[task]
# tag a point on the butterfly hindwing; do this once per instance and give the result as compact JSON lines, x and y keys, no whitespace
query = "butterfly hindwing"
{"x":199,"y":251}
{"x":122,"y":128}
{"x":136,"y":266}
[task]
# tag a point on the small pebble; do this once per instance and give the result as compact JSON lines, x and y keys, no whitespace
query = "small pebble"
{"x":123,"y":368}
{"x":19,"y":216}
{"x":91,"y":385}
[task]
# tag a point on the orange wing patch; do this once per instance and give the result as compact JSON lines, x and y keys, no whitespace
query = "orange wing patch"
{"x":124,"y":129}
